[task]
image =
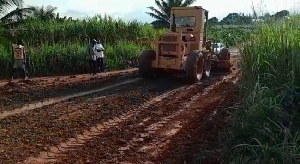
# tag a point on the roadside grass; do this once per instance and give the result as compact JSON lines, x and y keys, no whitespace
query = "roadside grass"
{"x":232,"y":36}
{"x":266,"y":129}
{"x":59,"y":47}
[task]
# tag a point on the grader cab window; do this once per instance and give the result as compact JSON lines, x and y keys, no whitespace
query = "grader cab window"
{"x":185,"y":21}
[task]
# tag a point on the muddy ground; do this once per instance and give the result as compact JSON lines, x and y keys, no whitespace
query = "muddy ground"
{"x":116,"y":117}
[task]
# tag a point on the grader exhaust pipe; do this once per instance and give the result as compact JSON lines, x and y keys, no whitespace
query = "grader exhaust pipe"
{"x":173,"y":26}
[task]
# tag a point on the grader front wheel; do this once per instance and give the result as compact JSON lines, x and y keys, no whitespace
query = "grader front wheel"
{"x":194,"y":67}
{"x":224,"y":60}
{"x":207,"y":67}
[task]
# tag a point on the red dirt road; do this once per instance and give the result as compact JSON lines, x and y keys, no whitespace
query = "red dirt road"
{"x":18,"y":93}
{"x":68,"y":79}
{"x":142,"y":121}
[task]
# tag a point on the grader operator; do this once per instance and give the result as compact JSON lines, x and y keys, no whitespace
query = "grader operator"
{"x":184,"y":48}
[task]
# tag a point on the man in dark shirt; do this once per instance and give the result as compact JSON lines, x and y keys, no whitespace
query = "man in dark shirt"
{"x":92,"y":57}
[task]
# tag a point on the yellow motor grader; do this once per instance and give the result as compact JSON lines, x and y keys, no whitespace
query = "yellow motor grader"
{"x":184,"y":48}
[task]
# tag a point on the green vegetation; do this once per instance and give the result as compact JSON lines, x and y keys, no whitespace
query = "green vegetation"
{"x":57,"y":45}
{"x":231,"y":36}
{"x":65,"y":42}
{"x":247,"y":19}
{"x":266,"y":130}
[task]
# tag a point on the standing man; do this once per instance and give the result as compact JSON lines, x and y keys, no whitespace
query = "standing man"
{"x":100,"y":55}
{"x":92,"y":57}
{"x":19,"y":56}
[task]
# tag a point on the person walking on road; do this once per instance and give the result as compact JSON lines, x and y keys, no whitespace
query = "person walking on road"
{"x":92,"y":57}
{"x":18,"y":58}
{"x":99,"y":49}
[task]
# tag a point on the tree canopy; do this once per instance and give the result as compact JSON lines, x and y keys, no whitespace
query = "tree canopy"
{"x":162,"y":14}
{"x":44,"y":13}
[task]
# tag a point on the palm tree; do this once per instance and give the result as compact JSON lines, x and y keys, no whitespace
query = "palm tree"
{"x":6,"y":4}
{"x":10,"y":20}
{"x":16,"y":15}
{"x":162,"y":14}
{"x":45,"y":14}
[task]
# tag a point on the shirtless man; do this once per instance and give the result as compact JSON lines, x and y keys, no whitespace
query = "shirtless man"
{"x":19,"y":56}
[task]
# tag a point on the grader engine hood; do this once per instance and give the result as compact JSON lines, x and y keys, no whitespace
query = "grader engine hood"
{"x":174,"y":43}
{"x":169,"y":50}
{"x":173,"y":50}
{"x":170,"y":45}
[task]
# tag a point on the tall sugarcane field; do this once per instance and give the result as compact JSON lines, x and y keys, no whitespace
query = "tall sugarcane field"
{"x":186,"y":88}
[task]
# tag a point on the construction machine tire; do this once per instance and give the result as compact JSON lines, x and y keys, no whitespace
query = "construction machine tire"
{"x":224,"y":54}
{"x":145,"y":64}
{"x":194,"y":67}
{"x":207,"y":67}
{"x":228,"y":69}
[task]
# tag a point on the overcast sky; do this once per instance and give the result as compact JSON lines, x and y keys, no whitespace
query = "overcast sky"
{"x":135,"y":9}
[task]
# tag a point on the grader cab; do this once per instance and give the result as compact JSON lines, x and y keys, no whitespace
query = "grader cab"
{"x":184,"y":48}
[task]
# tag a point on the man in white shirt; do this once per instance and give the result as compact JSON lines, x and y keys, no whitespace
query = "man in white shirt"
{"x":99,"y":51}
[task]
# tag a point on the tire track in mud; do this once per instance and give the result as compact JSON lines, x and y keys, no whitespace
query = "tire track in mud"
{"x":140,"y":118}
{"x":175,"y":126}
{"x":30,"y":132}
{"x":94,"y":131}
{"x":51,"y":101}
{"x":172,"y":125}
{"x":201,"y":138}
{"x":196,"y":135}
{"x":160,"y":133}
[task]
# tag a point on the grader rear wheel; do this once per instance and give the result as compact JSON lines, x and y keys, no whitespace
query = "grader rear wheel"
{"x":145,"y":63}
{"x":194,"y":67}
